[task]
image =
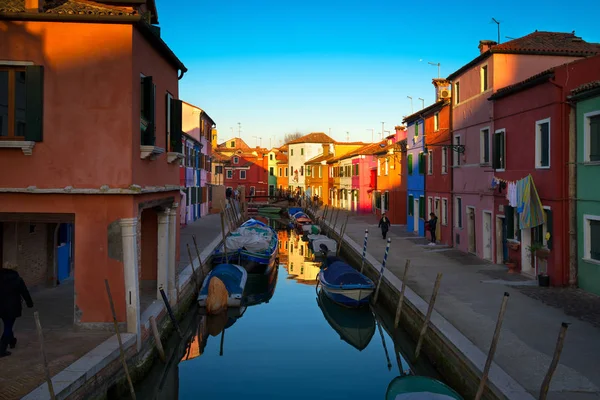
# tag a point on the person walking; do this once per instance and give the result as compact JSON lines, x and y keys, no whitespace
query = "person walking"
{"x":432,"y":223}
{"x":384,"y":224}
{"x":12,"y":289}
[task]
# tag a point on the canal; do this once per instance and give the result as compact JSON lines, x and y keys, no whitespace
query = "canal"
{"x":293,"y":344}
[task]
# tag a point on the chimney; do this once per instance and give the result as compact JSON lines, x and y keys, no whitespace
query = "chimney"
{"x":34,"y":6}
{"x":440,"y":84}
{"x":485,"y":45}
{"x":325,"y":149}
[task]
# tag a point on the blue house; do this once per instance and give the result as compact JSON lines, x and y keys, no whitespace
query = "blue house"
{"x":415,"y":186}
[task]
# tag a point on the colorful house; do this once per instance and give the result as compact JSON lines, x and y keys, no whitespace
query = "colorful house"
{"x":534,"y":108}
{"x":586,"y":99}
{"x":93,"y":153}
{"x":415,"y":185}
{"x":317,"y":172}
{"x":272,"y":171}
{"x":282,"y":171}
{"x":438,"y":174}
{"x":301,"y":150}
{"x":248,"y":169}
{"x":497,"y":66}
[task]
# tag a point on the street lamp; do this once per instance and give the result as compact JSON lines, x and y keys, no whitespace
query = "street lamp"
{"x":422,"y":103}
{"x":435,"y":64}
{"x":411,"y":104}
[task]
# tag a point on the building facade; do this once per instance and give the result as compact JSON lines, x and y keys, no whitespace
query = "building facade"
{"x":301,"y":150}
{"x":415,"y":171}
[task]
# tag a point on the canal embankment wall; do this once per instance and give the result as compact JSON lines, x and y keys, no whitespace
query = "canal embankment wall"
{"x":456,"y":358}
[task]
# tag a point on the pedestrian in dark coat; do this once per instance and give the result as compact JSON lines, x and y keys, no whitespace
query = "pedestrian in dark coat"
{"x":384,"y":224}
{"x":12,"y":290}
{"x":432,"y":223}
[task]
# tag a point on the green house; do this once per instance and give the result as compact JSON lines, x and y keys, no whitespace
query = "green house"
{"x":586,"y":99}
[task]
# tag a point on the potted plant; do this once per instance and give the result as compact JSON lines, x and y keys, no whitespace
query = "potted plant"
{"x":512,"y":266}
{"x":513,"y":244}
{"x":542,"y":253}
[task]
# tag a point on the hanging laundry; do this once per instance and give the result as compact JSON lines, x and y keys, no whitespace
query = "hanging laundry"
{"x":511,"y":194}
{"x":531,"y":211}
{"x":495,"y":182}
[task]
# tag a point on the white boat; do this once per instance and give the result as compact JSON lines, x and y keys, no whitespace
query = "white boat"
{"x":322,"y":245}
{"x":311,"y":229}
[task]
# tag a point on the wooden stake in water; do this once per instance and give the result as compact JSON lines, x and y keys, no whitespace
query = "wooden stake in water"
{"x":559,"y":345}
{"x":199,"y":259}
{"x":337,"y":214}
{"x":222,"y":342}
{"x":170,"y":312}
{"x":436,"y":287}
{"x":490,"y":357}
{"x":159,"y":347}
{"x":385,"y":256}
{"x":224,"y":236}
{"x":387,"y":356}
{"x":122,"y":352}
{"x":40,"y":333}
{"x":194,"y":277}
{"x":364,"y":253}
{"x":401,"y":299}
{"x":342,"y":235}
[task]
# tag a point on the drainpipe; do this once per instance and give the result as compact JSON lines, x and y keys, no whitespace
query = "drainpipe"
{"x":451,"y":166}
{"x":55,"y":256}
{"x":572,"y":168}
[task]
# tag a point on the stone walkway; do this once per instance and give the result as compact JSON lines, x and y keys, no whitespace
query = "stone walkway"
{"x":470,"y":295}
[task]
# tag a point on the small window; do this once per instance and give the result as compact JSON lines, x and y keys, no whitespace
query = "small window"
{"x":483,"y":72}
{"x":542,"y":144}
{"x":444,"y":211}
{"x":429,"y":205}
{"x":591,"y":237}
{"x":430,"y":162}
{"x":302,"y":151}
{"x":458,"y":212}
{"x":421,"y":163}
{"x":271,"y":171}
{"x":444,"y":160}
{"x":500,"y":150}
{"x":484,"y":146}
{"x":280,"y":171}
{"x":286,"y":171}
{"x":302,"y":170}
{"x":422,"y":207}
{"x":416,"y":129}
{"x":436,"y":121}
{"x":236,"y":160}
{"x":320,"y":166}
{"x":410,"y":164}
{"x":387,"y":167}
{"x":457,"y":92}
{"x":379,"y":167}
{"x":411,"y":205}
{"x":456,"y":153}
{"x":291,"y":152}
{"x":232,"y":144}
{"x":591,"y":129}
{"x":229,"y":174}
{"x":271,"y":157}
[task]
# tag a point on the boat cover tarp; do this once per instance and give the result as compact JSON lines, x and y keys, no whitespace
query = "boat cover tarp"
{"x":231,"y":275}
{"x":340,"y":273}
{"x":414,"y":387}
{"x":254,"y":238}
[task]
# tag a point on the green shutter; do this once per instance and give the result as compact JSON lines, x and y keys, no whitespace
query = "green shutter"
{"x":421,"y":163}
{"x":176,"y":125}
{"x":34,"y":112}
{"x":496,"y":151}
{"x":411,"y":205}
{"x":410,"y":164}
{"x":509,"y":217}
{"x":148,"y":136}
{"x":549,"y":228}
{"x":421,"y":207}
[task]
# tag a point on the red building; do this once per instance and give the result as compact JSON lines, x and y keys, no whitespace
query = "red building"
{"x":438,"y":173}
{"x":531,"y":122}
{"x":248,"y":169}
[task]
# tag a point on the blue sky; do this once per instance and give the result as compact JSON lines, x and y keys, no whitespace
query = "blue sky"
{"x":330,"y":66}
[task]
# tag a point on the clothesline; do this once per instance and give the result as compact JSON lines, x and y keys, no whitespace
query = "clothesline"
{"x":523,"y":196}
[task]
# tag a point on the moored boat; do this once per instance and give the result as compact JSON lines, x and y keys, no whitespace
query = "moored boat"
{"x":412,"y":387}
{"x":345,"y":285}
{"x":233,"y":277}
{"x":270,"y":209}
{"x":322,"y":245}
{"x":254,"y":242}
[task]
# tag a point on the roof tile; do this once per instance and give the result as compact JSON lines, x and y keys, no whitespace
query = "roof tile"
{"x":315,"y":137}
{"x":71,"y":7}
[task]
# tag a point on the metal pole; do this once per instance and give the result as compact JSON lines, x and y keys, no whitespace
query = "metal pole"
{"x":364,"y":253}
{"x":401,"y":299}
{"x":428,"y":316}
{"x":385,"y":256}
{"x":490,"y":357}
{"x":170,"y":312}
{"x":559,"y":345}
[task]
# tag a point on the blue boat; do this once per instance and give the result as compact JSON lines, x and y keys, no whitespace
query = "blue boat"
{"x":253,"y":243}
{"x":294,"y":210}
{"x":345,"y":285}
{"x":412,"y":387}
{"x":233,"y":276}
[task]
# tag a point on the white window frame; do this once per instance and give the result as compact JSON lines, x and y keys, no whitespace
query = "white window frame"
{"x":587,"y":238}
{"x":484,"y":80}
{"x":229,"y":173}
{"x":586,"y":135}
{"x":456,"y":159}
{"x":444,"y":165}
{"x":538,"y":144}
{"x":456,"y":92}
{"x":457,"y":212}
{"x":242,"y":174}
{"x":444,"y":211}
{"x":503,"y":130}
{"x":430,"y":162}
{"x":379,"y":167}
{"x":320,"y":167}
{"x":387,"y":166}
{"x":482,"y":135}
{"x":236,"y":160}
{"x":436,"y":122}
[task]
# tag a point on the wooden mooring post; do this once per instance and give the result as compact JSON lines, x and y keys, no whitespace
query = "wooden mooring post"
{"x":170,"y":312}
{"x":200,"y":266}
{"x":364,"y":253}
{"x":554,"y":363}
{"x":337,"y":214}
{"x":224,"y":236}
{"x":401,"y":298}
{"x":436,"y":287}
{"x":159,"y":346}
{"x":492,"y":351}
{"x":40,"y":333}
{"x":194,"y":277}
{"x":385,"y":256}
{"x":121,"y":351}
{"x":339,"y":247}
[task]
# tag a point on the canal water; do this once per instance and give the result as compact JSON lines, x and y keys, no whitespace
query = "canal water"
{"x":292,"y":344}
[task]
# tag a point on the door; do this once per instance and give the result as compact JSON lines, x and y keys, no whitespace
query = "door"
{"x":64,"y":251}
{"x":471,"y":229}
{"x":526,"y":266}
{"x":438,"y":230}
{"x":501,"y":247}
{"x":271,"y":190}
{"x":487,"y":235}
{"x":416,"y":215}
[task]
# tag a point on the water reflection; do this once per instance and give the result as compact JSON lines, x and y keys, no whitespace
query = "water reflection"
{"x":299,"y":262}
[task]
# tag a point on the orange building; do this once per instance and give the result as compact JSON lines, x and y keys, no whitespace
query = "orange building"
{"x":93,"y":152}
{"x":282,"y":171}
{"x":317,"y":173}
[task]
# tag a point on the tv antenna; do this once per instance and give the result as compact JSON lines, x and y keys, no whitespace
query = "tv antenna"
{"x":497,"y":23}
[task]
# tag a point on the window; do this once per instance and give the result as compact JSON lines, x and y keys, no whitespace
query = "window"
{"x":591,"y":246}
{"x":320,"y":168}
{"x":229,"y":174}
{"x":302,"y":170}
{"x":302,"y":151}
{"x":444,"y":212}
{"x":458,"y":212}
{"x":271,"y":157}
{"x":387,"y":167}
{"x":291,"y":152}
{"x":242,"y":174}
{"x":483,"y":74}
{"x":378,"y":200}
{"x":236,"y":160}
{"x":271,"y":171}
{"x":379,"y":166}
{"x":436,"y":121}
{"x":308,"y":170}
{"x":542,"y":143}
{"x":500,"y":150}
{"x":232,"y":144}
{"x":444,"y":160}
{"x":173,"y":126}
{"x":147,"y":111}
{"x":410,"y":164}
{"x":411,"y":205}
{"x":422,"y":207}
{"x":591,"y":131}
{"x":416,"y":129}
{"x":280,"y":171}
{"x":430,"y":162}
{"x":218,"y":169}
{"x":457,"y":92}
{"x":421,"y":163}
{"x":456,"y":153}
{"x":386,"y":201}
{"x":484,"y":146}
{"x":429,"y":205}
{"x":286,"y":171}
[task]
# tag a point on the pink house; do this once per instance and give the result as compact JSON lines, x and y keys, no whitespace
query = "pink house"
{"x":497,"y":66}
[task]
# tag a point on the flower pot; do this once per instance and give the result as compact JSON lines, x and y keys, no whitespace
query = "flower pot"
{"x":512,"y":267}
{"x":543,"y":280}
{"x":513,"y":245}
{"x":542,"y":254}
